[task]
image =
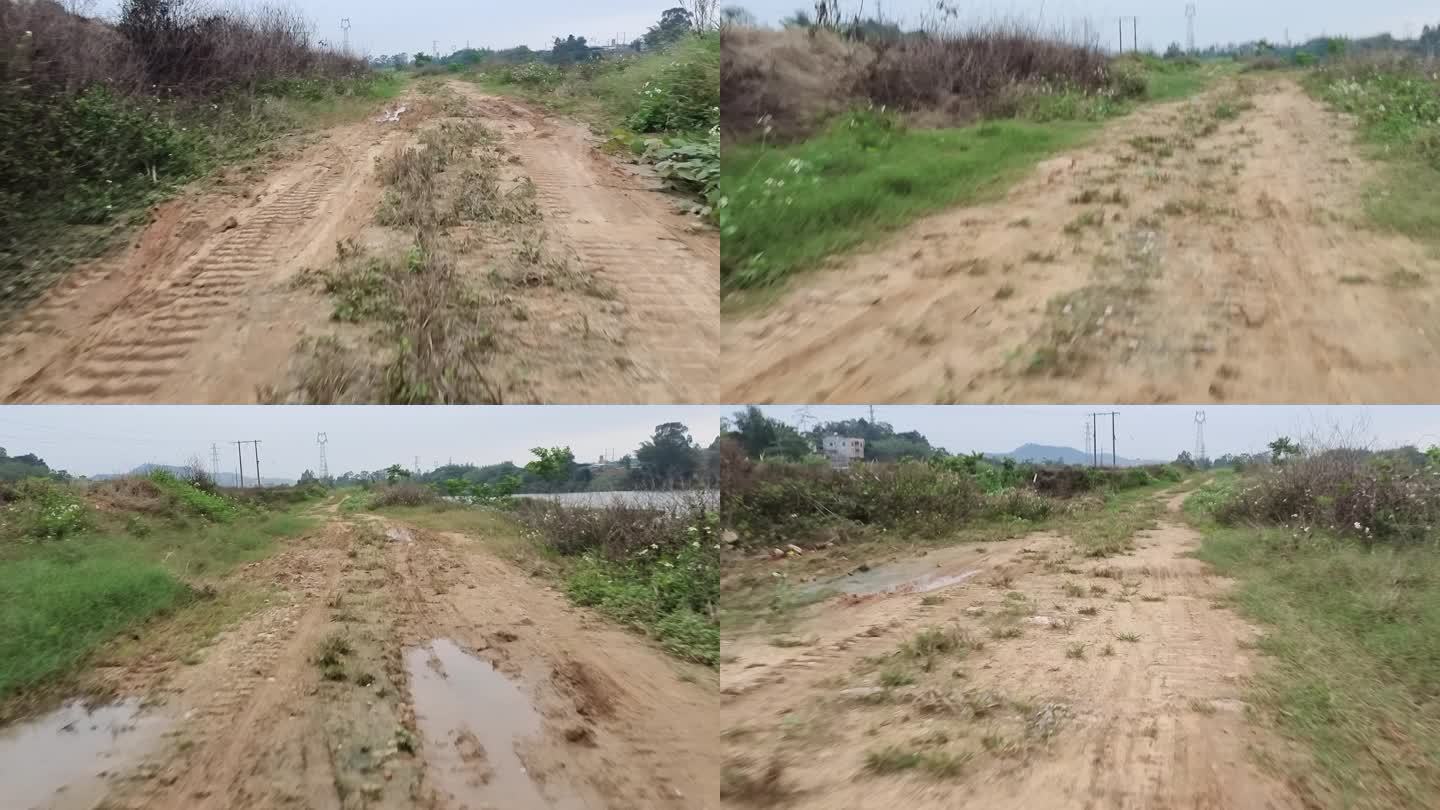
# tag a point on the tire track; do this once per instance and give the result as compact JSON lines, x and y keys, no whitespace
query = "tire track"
{"x":667,"y":277}
{"x":145,"y":342}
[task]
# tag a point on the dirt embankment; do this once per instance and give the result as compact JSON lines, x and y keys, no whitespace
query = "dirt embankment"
{"x":1208,"y":250}
{"x":397,"y":668}
{"x":1052,"y":680}
{"x":203,"y":304}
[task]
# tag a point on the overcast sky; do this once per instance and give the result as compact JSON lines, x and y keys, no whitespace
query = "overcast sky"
{"x":91,"y":439}
{"x":1163,"y":22}
{"x":412,"y":25}
{"x":1153,"y":432}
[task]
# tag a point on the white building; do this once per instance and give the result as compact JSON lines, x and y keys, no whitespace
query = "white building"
{"x":842,"y":450}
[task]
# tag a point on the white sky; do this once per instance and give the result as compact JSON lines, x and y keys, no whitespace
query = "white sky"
{"x":1160,"y":23}
{"x":91,"y":439}
{"x":413,"y":25}
{"x":1151,"y":432}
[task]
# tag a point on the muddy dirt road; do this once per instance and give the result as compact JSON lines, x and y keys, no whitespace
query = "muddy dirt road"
{"x":202,"y":305}
{"x":398,"y":668}
{"x":1053,"y":681}
{"x":1208,"y":250}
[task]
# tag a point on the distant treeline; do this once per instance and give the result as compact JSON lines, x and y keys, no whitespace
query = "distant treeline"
{"x":669,"y":459}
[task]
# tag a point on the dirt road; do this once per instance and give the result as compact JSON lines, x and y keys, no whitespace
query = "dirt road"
{"x":1071,"y":683}
{"x":400,"y":668}
{"x":201,"y":305}
{"x":1209,"y":250}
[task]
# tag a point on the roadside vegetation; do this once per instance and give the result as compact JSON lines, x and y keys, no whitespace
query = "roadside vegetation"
{"x":1396,"y":99}
{"x":661,"y":104}
{"x":1335,"y":556}
{"x":650,"y":566}
{"x":119,"y":114}
{"x":824,"y":522}
{"x":83,"y":564}
{"x":840,"y":138}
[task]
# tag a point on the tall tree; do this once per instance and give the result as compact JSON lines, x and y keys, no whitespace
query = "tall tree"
{"x":670,"y":456}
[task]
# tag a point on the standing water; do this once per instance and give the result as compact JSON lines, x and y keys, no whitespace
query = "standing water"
{"x":471,"y":718}
{"x":60,"y":761}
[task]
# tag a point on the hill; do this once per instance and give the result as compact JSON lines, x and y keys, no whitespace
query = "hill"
{"x":1040,"y":453}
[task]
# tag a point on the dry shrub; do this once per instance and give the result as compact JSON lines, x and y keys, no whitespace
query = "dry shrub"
{"x":617,"y":530}
{"x":789,"y":80}
{"x":785,"y":83}
{"x":405,"y":493}
{"x":781,"y":500}
{"x":1353,"y":492}
{"x":132,"y":493}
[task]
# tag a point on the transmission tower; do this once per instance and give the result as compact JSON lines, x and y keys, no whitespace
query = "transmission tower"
{"x":321,"y":439}
{"x":215,"y":462}
{"x":1190,"y":26}
{"x":1199,"y":436}
{"x":345,"y":27}
{"x":1089,"y":439}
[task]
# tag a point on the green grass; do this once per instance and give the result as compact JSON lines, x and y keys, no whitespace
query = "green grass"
{"x":667,"y":598}
{"x":859,"y":179}
{"x":866,"y":175}
{"x":1351,"y":666}
{"x":61,"y":600}
{"x":1397,"y":114}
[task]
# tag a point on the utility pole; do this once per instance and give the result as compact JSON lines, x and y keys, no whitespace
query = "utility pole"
{"x":1100,"y":456}
{"x":417,"y":465}
{"x":240,"y":458}
{"x":435,"y":46}
{"x":321,"y":439}
{"x":345,"y":27}
{"x":256,"y":443}
{"x":1134,"y":34}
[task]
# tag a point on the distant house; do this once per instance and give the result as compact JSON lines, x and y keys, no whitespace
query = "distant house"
{"x":841,"y":450}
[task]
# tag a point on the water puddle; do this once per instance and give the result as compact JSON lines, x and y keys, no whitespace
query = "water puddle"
{"x":471,"y":718}
{"x":60,"y":761}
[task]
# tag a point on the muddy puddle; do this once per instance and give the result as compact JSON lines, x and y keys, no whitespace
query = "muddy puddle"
{"x":472,"y":719}
{"x":931,"y":572}
{"x":61,"y":761}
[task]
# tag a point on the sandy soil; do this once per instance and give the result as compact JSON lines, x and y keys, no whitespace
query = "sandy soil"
{"x":260,"y":722}
{"x":201,"y":305}
{"x":1236,"y":265}
{"x":1159,"y":722}
{"x":608,"y":215}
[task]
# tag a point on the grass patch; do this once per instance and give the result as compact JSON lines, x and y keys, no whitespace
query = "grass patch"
{"x":1397,"y":103}
{"x":61,"y":601}
{"x":1352,"y":657}
{"x":785,"y":208}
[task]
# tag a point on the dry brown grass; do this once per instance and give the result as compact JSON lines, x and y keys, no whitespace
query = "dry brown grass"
{"x":783,"y":84}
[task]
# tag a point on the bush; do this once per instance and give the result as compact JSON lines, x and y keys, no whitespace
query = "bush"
{"x":403,"y":494}
{"x":669,"y":588}
{"x":685,"y":94}
{"x":692,"y":165}
{"x":776,"y":500}
{"x":41,"y":509}
{"x":194,"y":501}
{"x":1347,"y":492}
